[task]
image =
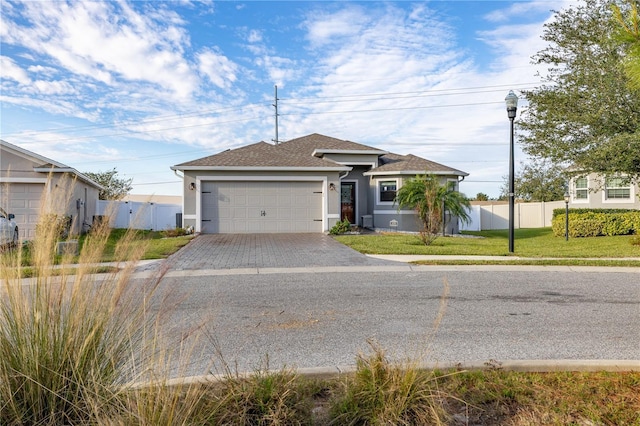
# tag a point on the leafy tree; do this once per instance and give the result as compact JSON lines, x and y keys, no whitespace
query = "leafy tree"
{"x":481,"y":196}
{"x":114,"y":188}
{"x":539,"y":180}
{"x":585,"y":114}
{"x":628,"y":34}
{"x":428,"y":197}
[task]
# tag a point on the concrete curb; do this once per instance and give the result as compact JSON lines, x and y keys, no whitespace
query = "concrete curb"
{"x":523,"y":366}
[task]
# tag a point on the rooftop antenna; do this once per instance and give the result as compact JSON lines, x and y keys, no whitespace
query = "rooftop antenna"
{"x":276,"y":107}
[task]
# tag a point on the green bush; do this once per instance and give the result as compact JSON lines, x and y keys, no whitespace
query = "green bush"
{"x":596,"y":222}
{"x":341,"y":227}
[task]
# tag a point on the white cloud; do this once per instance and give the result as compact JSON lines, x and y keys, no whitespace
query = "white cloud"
{"x":12,"y":71}
{"x":218,"y":68}
{"x":108,"y":42}
{"x":520,"y":9}
{"x":39,"y":69}
{"x":54,"y":87}
{"x":255,"y":36}
{"x":323,"y":28}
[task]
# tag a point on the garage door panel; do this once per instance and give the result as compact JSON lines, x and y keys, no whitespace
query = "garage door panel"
{"x":271,"y":202}
{"x":286,"y":213}
{"x":262,"y":207}
{"x":239,"y":213}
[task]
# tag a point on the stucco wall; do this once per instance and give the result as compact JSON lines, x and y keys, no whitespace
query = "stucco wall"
{"x":596,"y":196}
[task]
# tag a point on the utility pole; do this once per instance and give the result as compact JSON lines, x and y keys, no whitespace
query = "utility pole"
{"x":276,"y":107}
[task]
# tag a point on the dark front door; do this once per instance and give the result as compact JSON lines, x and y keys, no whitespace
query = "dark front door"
{"x":348,"y":203}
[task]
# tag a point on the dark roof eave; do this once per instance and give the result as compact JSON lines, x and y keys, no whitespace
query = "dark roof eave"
{"x":415,"y":172}
{"x":71,"y":170}
{"x":263,"y":168}
{"x":321,"y":151}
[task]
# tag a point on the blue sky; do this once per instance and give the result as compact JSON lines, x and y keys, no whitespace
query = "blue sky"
{"x":141,"y":86}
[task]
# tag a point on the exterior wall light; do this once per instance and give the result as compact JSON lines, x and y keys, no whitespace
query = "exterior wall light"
{"x":192,"y":186}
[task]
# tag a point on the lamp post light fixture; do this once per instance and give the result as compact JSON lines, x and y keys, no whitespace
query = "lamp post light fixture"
{"x":566,"y":216}
{"x":512,"y":106}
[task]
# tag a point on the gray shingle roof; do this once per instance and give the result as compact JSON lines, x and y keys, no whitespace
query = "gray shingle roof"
{"x":313,"y":142}
{"x":298,"y":153}
{"x":411,"y":164}
{"x":294,"y":153}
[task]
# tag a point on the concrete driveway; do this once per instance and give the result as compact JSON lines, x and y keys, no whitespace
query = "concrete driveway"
{"x":239,"y":251}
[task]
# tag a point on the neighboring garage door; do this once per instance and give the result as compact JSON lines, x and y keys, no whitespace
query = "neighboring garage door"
{"x":231,"y":207}
{"x":24,"y":202}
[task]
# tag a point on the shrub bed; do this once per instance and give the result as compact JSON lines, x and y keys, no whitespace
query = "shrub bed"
{"x":596,"y":222}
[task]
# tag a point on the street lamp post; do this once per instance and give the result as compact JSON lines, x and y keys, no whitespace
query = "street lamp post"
{"x":512,"y":106}
{"x":566,"y":216}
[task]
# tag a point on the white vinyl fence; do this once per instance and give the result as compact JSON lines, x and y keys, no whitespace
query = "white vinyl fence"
{"x":526,"y":215}
{"x":138,"y":215}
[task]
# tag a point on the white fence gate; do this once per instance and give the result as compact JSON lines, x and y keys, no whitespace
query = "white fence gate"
{"x":138,"y":215}
{"x":526,"y":215}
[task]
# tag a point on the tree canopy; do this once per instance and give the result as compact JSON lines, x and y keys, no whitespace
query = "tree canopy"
{"x":538,"y":180}
{"x":114,"y":188}
{"x":628,"y":34}
{"x":585,"y":115}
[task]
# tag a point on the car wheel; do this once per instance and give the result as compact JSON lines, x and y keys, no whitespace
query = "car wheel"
{"x":16,"y":238}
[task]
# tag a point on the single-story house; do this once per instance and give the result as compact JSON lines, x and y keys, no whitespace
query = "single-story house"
{"x":302,"y":185}
{"x":24,"y":178}
{"x":597,"y":192}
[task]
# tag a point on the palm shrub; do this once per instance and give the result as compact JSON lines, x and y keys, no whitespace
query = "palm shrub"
{"x":429,"y":198}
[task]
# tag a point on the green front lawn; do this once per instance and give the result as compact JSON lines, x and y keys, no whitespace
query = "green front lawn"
{"x":538,"y":242}
{"x":158,"y":246}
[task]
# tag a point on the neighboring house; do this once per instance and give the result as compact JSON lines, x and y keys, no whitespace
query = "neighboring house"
{"x":24,"y":176}
{"x":303,"y":185}
{"x":594,"y":191}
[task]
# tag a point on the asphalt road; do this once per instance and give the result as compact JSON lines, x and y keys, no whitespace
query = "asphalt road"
{"x":324,"y":319}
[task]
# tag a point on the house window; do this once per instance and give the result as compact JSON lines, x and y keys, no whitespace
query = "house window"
{"x":617,"y":189}
{"x":387,"y":190}
{"x":581,"y":189}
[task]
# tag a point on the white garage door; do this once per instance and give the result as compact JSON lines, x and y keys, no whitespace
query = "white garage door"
{"x":261,"y":207}
{"x":24,"y":203}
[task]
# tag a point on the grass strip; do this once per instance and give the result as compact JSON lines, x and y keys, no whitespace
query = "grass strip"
{"x":538,"y":242}
{"x":534,"y":262}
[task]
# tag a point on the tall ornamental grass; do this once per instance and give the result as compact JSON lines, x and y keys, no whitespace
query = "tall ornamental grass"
{"x":69,"y":339}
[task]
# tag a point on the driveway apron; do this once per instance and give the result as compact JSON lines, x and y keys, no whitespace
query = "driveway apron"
{"x":236,"y":251}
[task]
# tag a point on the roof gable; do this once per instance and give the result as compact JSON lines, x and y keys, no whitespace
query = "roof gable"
{"x":411,"y":164}
{"x":42,"y":164}
{"x":317,"y":144}
{"x":41,"y":160}
{"x":295,"y":153}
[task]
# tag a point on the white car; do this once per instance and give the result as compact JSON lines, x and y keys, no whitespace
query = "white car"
{"x":8,"y":230}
